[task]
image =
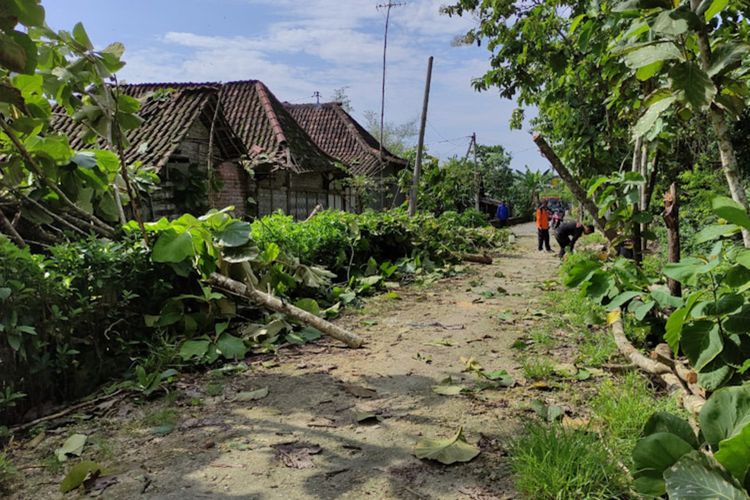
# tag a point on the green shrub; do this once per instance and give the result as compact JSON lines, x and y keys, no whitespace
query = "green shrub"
{"x":73,"y":318}
{"x":335,"y":239}
{"x":7,"y":472}
{"x":551,"y":462}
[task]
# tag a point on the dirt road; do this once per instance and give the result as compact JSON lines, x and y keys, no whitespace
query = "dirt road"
{"x":303,"y":440}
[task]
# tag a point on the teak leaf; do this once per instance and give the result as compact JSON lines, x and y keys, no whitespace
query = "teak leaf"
{"x":446,"y":451}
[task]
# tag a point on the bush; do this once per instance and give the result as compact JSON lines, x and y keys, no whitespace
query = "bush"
{"x":337,"y":239}
{"x":74,"y":318}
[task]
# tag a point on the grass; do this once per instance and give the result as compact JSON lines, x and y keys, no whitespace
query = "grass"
{"x":537,"y":368}
{"x":622,"y":407}
{"x":596,"y":348}
{"x":551,"y":462}
{"x":160,"y":417}
{"x":542,"y":338}
{"x":7,"y":472}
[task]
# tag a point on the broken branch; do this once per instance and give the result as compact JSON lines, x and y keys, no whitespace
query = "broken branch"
{"x":278,"y":305}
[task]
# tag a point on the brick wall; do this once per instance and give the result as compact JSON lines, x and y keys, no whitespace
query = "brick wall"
{"x":235,"y":188}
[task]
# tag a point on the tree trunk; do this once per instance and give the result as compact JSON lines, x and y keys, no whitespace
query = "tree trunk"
{"x":574,"y":186}
{"x":719,"y":124}
{"x":637,"y":167}
{"x":671,"y":217}
{"x":278,"y":305}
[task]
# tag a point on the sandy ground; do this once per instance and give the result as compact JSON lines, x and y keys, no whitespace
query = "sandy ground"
{"x":224,"y":448}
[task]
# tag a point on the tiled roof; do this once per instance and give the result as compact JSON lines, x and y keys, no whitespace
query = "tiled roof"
{"x":167,"y":119}
{"x":338,"y":134}
{"x":260,"y":121}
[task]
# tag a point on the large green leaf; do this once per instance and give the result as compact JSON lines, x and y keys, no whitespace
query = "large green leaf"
{"x":235,"y":234}
{"x":643,"y":56}
{"x":714,"y":7}
{"x":736,"y":276}
{"x":674,"y":22}
{"x":727,"y":56}
{"x":666,"y":422}
{"x":696,"y":86}
{"x":309,"y":305}
{"x":173,"y":247}
{"x":715,"y":231}
{"x":725,"y":414}
{"x":701,"y":342}
{"x":78,"y":474}
{"x":652,"y":114}
{"x":730,"y":210}
{"x":676,"y":321}
{"x":653,"y":455}
{"x":194,"y":349}
{"x":581,"y":272}
{"x":715,"y":375}
{"x":696,"y":477}
{"x":622,"y":299}
{"x":29,"y":12}
{"x":72,"y":446}
{"x":231,"y":347}
{"x":446,"y":451}
{"x":738,"y":322}
{"x":685,"y":269}
{"x":725,"y":304}
{"x":734,"y":453}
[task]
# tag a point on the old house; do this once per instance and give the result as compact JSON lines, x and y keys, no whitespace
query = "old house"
{"x":339,"y":135}
{"x":183,"y":127}
{"x":291,"y":172}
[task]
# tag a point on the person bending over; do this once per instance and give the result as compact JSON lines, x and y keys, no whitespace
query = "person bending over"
{"x":568,"y":233}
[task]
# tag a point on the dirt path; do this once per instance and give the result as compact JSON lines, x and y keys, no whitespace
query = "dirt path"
{"x":226,"y":449}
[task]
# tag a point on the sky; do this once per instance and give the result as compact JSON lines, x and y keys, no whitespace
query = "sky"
{"x":298,"y":47}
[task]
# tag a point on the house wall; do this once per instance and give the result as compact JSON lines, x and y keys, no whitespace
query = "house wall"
{"x":295,"y":194}
{"x":190,"y":159}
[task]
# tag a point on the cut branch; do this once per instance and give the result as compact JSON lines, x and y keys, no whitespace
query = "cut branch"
{"x":574,"y":186}
{"x":99,"y":226}
{"x":11,"y":231}
{"x":278,"y":305}
{"x":672,"y":382}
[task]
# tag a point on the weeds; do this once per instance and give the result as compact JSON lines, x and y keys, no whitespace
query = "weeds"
{"x":7,"y":472}
{"x":543,"y":338}
{"x":160,"y":417}
{"x":537,"y":368}
{"x":621,"y":409}
{"x":551,"y":462}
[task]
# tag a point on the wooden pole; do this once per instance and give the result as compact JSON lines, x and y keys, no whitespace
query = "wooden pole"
{"x":420,"y":144}
{"x":278,"y":305}
{"x":574,"y":186}
{"x":671,"y":217}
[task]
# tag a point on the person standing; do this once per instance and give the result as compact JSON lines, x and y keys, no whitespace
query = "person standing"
{"x":542,"y":226}
{"x":568,"y":233}
{"x":502,"y":214}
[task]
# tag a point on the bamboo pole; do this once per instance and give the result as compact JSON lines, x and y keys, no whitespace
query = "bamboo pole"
{"x":276,"y":304}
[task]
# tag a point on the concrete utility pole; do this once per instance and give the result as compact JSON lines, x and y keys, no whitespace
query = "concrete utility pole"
{"x":387,"y":6}
{"x":477,"y":173}
{"x":420,"y":144}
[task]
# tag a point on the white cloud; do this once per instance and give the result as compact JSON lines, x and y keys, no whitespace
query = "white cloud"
{"x":326,"y":44}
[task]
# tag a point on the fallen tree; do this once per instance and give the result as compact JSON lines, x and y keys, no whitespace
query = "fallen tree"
{"x":672,"y":378}
{"x":575,"y":188}
{"x":275,"y":304}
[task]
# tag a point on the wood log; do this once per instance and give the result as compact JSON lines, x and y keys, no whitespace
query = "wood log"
{"x":475,"y":257}
{"x":666,"y":376}
{"x":630,"y":352}
{"x":275,"y":304}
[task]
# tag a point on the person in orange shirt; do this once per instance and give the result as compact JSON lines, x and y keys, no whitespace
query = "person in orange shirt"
{"x":543,"y":215}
